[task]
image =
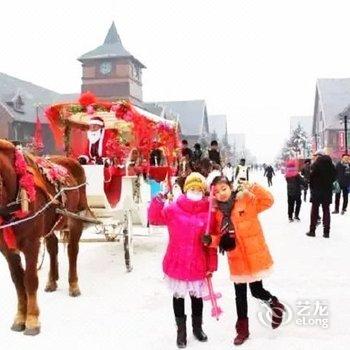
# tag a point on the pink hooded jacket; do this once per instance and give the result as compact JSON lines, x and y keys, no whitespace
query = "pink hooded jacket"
{"x":291,"y":168}
{"x":186,"y":258}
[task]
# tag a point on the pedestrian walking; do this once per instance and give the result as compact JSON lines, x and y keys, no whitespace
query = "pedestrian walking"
{"x":343,"y":179}
{"x":322,"y":176}
{"x":295,"y":184}
{"x":269,"y":173}
{"x":305,"y":172}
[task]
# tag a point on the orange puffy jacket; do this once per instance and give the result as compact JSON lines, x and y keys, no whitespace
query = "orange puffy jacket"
{"x":250,"y":261}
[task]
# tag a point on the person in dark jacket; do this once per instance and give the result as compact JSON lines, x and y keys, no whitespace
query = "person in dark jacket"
{"x":305,"y":172}
{"x":214,"y":153}
{"x":197,"y":153}
{"x":322,"y":176}
{"x":186,"y":151}
{"x":343,"y":178}
{"x":295,"y":184}
{"x":197,"y":156}
{"x":156,"y":155}
{"x":269,"y":172}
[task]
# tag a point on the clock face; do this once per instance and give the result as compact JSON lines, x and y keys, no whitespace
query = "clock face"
{"x":105,"y":67}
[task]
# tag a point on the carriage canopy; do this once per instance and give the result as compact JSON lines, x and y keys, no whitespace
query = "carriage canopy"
{"x":132,"y":128}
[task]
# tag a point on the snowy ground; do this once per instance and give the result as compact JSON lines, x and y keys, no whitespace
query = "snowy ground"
{"x":119,"y":310}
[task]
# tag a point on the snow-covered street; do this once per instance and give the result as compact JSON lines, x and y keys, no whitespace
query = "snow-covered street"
{"x":119,"y":310}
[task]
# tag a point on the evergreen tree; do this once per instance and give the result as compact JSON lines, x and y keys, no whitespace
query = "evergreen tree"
{"x":297,"y":146}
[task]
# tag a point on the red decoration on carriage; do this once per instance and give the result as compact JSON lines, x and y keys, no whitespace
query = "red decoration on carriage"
{"x":128,"y":133}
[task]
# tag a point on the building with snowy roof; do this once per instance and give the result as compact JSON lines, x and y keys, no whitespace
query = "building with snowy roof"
{"x":331,"y":99}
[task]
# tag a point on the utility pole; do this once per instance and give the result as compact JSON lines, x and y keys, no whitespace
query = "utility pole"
{"x":346,"y":132}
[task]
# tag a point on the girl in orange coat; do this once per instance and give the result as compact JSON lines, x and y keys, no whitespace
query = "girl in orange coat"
{"x":239,"y":233}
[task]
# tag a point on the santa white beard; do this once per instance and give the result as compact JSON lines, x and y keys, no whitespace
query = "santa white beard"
{"x":94,"y":136}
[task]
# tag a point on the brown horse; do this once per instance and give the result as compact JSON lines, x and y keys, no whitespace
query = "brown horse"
{"x":28,"y":233}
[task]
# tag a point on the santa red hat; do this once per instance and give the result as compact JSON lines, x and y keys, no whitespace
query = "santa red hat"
{"x":96,"y":121}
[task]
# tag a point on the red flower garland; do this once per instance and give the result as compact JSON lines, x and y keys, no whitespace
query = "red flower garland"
{"x":26,"y":179}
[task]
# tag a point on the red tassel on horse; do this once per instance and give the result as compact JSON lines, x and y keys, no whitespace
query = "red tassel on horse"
{"x":9,"y":236}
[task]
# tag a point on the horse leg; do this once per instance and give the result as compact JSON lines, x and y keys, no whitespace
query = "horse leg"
{"x":31,"y":282}
{"x":52,"y":248}
{"x":75,"y":231}
{"x":17,"y":275}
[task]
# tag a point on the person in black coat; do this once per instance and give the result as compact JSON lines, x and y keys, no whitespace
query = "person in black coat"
{"x":295,"y":184}
{"x":322,"y":176}
{"x":197,"y":153}
{"x":186,"y":151}
{"x":343,"y":178}
{"x":269,"y":172}
{"x":214,"y":154}
{"x":305,"y":172}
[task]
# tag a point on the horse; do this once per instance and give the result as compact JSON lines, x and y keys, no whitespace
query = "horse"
{"x":28,"y":233}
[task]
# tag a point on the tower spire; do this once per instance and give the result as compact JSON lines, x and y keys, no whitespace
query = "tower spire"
{"x":112,"y":36}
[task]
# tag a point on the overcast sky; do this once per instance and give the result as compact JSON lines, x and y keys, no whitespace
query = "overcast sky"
{"x":256,"y":61}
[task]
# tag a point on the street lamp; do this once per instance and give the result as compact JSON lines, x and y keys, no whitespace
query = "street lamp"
{"x":344,"y":119}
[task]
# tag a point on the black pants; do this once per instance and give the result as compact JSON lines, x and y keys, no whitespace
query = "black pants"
{"x":179,"y":306}
{"x":294,"y":201}
{"x":345,"y":192}
{"x":315,"y":215}
{"x":269,"y":181}
{"x":257,"y":290}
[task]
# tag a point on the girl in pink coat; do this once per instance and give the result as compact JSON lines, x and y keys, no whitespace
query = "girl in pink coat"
{"x":187,"y":261}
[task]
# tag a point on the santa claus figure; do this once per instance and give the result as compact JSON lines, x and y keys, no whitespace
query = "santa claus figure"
{"x":97,"y":139}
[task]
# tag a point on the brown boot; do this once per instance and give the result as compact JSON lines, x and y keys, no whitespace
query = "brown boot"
{"x":242,"y":329}
{"x":277,"y":312}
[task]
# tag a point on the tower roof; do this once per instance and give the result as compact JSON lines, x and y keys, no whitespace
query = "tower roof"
{"x":112,"y":47}
{"x":112,"y":36}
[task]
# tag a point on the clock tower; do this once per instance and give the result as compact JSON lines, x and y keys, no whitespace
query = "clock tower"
{"x":111,"y":72}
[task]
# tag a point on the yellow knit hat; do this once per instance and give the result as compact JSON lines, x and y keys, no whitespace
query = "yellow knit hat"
{"x":196,"y":181}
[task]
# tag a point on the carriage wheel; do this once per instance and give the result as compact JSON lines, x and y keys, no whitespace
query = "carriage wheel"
{"x":41,"y":255}
{"x":128,"y":241}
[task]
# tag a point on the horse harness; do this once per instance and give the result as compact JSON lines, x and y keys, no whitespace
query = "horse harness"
{"x":45,"y":173}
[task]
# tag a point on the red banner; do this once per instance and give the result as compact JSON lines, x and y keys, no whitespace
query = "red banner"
{"x":341,"y":140}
